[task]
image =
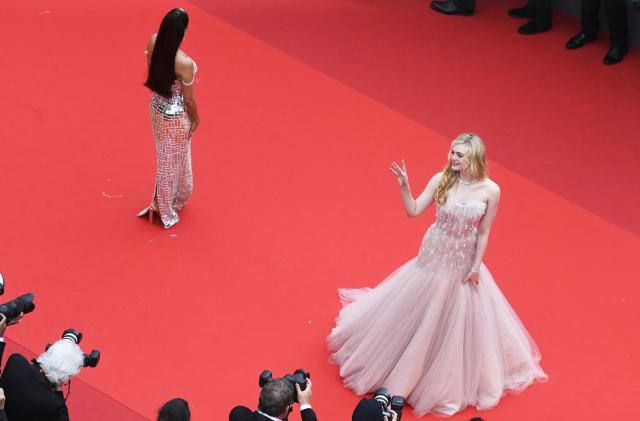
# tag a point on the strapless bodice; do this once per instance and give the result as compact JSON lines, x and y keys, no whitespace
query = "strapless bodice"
{"x":459,"y":219}
{"x":451,"y":240}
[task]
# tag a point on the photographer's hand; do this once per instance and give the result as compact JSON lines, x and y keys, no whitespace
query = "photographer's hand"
{"x":3,"y":324}
{"x":304,"y":396}
{"x":16,"y":320}
{"x":2,"y":398}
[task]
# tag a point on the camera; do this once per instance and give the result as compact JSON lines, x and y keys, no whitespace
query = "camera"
{"x":22,"y":304}
{"x":298,"y":377}
{"x":385,"y":399}
{"x":91,"y":359}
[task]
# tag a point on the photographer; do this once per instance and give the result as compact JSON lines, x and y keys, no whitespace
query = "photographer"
{"x":175,"y":410}
{"x":3,"y":327}
{"x":370,"y":410}
{"x":383,"y":407}
{"x":34,"y":389}
{"x":275,"y":403}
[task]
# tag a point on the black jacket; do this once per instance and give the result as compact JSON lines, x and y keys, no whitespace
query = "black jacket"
{"x":30,"y":396}
{"x":242,"y":413}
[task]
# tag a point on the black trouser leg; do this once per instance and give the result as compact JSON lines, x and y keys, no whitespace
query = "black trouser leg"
{"x":616,"y":11}
{"x":541,"y":12}
{"x":467,"y":5}
{"x":529,"y":8}
{"x":589,"y":10}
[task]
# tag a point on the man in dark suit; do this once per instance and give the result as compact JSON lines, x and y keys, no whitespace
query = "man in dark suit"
{"x":274,"y":403}
{"x":616,"y":12}
{"x":34,"y":389}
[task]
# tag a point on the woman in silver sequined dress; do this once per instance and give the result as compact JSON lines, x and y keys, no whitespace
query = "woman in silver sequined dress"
{"x":174,"y":117}
{"x":438,"y":330}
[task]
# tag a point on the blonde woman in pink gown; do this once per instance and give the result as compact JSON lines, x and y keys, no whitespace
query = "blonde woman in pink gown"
{"x":438,"y":330}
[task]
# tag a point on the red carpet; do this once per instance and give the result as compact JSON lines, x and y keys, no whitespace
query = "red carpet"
{"x":293,"y":199}
{"x":548,"y":112}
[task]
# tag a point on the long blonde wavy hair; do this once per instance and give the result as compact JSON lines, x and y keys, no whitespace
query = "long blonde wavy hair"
{"x":477,"y":164}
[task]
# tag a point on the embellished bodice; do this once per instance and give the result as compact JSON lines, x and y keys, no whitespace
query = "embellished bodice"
{"x":172,"y":106}
{"x":459,"y":219}
{"x":452,"y":238}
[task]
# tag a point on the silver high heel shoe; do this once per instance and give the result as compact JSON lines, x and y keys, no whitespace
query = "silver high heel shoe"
{"x":147,"y":211}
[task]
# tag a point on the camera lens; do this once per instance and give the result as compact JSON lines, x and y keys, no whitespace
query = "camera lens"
{"x":383,"y":396}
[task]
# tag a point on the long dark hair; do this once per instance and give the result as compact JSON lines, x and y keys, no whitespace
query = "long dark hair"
{"x":175,"y":410}
{"x":162,"y":70}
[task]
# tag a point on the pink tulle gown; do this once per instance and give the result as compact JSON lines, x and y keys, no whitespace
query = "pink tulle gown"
{"x":424,"y":334}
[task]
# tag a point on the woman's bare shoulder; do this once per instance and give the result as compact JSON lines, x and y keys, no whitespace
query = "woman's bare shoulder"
{"x":436,"y":177}
{"x":184,"y":66}
{"x":183,"y":60}
{"x":492,"y":187}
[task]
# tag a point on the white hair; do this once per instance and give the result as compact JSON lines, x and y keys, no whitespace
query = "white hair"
{"x":61,"y":361}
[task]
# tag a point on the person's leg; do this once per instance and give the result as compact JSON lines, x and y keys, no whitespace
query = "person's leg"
{"x":589,"y":11}
{"x":616,"y":12}
{"x":542,"y":13}
{"x":466,"y":5}
{"x":616,"y":15}
{"x":523,"y":12}
{"x":185,"y":177}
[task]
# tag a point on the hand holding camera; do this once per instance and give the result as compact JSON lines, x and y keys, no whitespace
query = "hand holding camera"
{"x":304,"y":396}
{"x":4,"y":322}
{"x":393,"y":416}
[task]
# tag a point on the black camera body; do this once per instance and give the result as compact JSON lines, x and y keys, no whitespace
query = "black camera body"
{"x":396,"y":402}
{"x":90,"y":360}
{"x":12,"y":309}
{"x":298,"y":377}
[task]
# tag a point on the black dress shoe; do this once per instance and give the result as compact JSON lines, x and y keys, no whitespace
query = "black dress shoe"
{"x":615,"y":55}
{"x":579,"y":40}
{"x":448,"y":7}
{"x":520,"y":12}
{"x":533,"y":27}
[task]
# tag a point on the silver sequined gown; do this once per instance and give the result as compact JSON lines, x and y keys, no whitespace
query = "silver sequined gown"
{"x":171,"y":131}
{"x":425,"y":334}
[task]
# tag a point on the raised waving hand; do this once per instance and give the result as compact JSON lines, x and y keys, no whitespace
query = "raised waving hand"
{"x":401,"y":173}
